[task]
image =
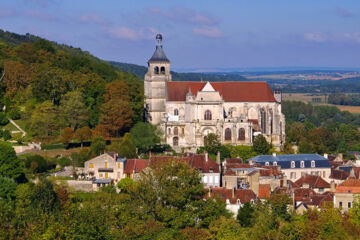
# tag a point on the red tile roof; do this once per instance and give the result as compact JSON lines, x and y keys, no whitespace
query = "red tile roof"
{"x":198,"y":161}
{"x":349,"y":186}
{"x":264,"y":191}
{"x":338,"y":174}
{"x":244,"y":195}
{"x":135,"y":165}
{"x":303,"y":194}
{"x":230,"y":91}
{"x":313,"y":182}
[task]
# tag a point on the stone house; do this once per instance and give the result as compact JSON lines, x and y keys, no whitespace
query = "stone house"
{"x":345,"y":193}
{"x":294,"y":166}
{"x":107,"y":168}
{"x":234,"y":198}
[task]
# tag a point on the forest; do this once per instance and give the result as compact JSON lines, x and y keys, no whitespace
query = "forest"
{"x":53,"y":89}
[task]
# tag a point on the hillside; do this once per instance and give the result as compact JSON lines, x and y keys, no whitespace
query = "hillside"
{"x":49,"y":87}
{"x":140,"y":71}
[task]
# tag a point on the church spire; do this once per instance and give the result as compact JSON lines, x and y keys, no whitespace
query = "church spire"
{"x":159,"y":54}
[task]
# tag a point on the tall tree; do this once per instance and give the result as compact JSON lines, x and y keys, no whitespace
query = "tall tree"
{"x":17,"y":77}
{"x":261,"y":146}
{"x":116,"y":116}
{"x":145,"y":136}
{"x":83,"y":134}
{"x":73,"y":108}
{"x":10,"y":165}
{"x":67,"y":135}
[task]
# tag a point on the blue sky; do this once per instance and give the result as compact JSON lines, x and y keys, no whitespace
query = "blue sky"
{"x":201,"y":34}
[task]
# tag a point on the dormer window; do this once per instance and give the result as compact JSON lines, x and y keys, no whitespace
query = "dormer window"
{"x":238,"y":202}
{"x":292,"y":164}
{"x":274,"y":163}
{"x":302,"y":164}
{"x":211,"y":170}
{"x":176,"y":112}
{"x":267,"y":164}
{"x":200,"y":170}
{"x":312,"y":164}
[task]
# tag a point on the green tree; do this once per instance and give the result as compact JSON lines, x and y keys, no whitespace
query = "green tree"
{"x":36,"y":164}
{"x":6,"y":135}
{"x":10,"y":165}
{"x":98,"y":146}
{"x":244,"y":152}
{"x":83,"y":134}
{"x":3,"y":119}
{"x":260,"y":145}
{"x":212,"y":143}
{"x":46,"y":120}
{"x":125,"y":148}
{"x":73,"y":108}
{"x":7,"y":188}
{"x":145,"y":136}
{"x":224,"y":229}
{"x":245,"y":215}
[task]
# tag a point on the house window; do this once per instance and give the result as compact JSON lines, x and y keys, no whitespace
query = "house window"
{"x":228,"y":134}
{"x":101,"y":175}
{"x":323,"y":174}
{"x":241,"y":134}
{"x":340,"y":204}
{"x":312,"y":164}
{"x":302,"y":164}
{"x":349,"y":204}
{"x":119,"y":165}
{"x":292,"y":164}
{"x":205,"y":179}
{"x":176,"y":131}
{"x":176,"y":112}
{"x":207,"y":115}
{"x":321,"y":189}
{"x":293,"y":175}
{"x":105,"y":164}
{"x":91,"y":165}
{"x":211,"y":170}
{"x":274,"y":163}
{"x":267,"y":164}
{"x":175,"y":141}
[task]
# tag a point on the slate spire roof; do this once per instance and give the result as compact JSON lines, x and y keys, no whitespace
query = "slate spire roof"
{"x":159,"y":54}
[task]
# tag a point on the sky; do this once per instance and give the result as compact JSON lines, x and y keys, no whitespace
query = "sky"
{"x":198,"y":34}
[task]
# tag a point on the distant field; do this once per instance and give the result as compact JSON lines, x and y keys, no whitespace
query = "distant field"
{"x":317,"y":99}
{"x":305,"y":97}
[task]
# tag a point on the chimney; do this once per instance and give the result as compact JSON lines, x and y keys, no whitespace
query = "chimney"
{"x":326,"y":155}
{"x":206,"y":156}
{"x":332,"y":186}
{"x":218,"y":158}
{"x":233,"y":192}
{"x":284,"y":181}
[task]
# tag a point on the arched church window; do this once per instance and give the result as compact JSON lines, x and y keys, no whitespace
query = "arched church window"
{"x":156,"y":70}
{"x":162,"y":70}
{"x":228,"y":134}
{"x":176,"y":112}
{"x":169,"y":131}
{"x":207,"y":115}
{"x":175,"y":141}
{"x":176,"y":131}
{"x":241,"y":134}
{"x":263,"y":120}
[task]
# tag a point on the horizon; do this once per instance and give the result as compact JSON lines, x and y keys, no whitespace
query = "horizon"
{"x":240,"y":35}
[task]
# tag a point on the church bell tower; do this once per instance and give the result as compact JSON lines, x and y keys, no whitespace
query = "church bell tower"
{"x":155,"y":84}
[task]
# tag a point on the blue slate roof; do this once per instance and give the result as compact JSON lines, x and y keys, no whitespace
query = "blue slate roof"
{"x":119,"y":159}
{"x":285,"y":160}
{"x":159,"y":55}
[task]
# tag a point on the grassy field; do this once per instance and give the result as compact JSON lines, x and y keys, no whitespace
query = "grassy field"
{"x":352,"y":109}
{"x":54,"y":152}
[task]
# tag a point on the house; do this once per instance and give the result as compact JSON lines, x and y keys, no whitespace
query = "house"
{"x":234,"y":198}
{"x":313,"y":182}
{"x":345,"y":193}
{"x":133,"y":167}
{"x":105,"y":169}
{"x":315,"y":201}
{"x":296,"y":165}
{"x":338,"y":176}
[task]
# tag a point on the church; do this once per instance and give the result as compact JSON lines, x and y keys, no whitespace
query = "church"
{"x":187,"y":112}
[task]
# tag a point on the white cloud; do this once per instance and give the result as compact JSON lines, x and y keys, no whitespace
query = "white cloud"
{"x":122,"y":32}
{"x":315,"y":37}
{"x":91,"y":18}
{"x":212,"y":32}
